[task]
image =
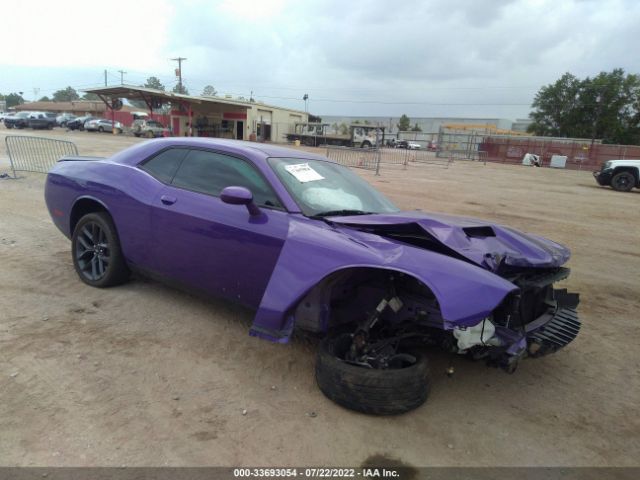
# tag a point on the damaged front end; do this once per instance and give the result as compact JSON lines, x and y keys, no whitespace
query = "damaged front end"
{"x":533,"y":321}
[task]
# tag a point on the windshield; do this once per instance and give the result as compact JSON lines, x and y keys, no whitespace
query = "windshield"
{"x":323,"y":188}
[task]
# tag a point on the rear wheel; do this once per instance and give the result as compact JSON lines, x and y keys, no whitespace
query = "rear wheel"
{"x":149,"y":134}
{"x":97,"y":256}
{"x":397,"y":389}
{"x":100,"y":129}
{"x":623,"y":181}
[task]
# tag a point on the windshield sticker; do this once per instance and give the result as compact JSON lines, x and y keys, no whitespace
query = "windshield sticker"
{"x":303,"y":172}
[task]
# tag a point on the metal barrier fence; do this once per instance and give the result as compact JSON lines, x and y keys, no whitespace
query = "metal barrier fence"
{"x":367,"y":158}
{"x":36,"y":154}
{"x":373,"y":158}
{"x":404,"y":156}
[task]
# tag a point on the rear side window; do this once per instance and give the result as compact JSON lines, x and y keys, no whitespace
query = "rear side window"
{"x":164,"y":165}
{"x":210,"y":172}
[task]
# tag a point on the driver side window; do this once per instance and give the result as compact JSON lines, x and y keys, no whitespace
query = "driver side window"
{"x":209,"y":172}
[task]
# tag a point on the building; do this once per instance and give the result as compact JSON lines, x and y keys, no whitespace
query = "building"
{"x":521,"y":124}
{"x":205,"y":116}
{"x":426,"y":124}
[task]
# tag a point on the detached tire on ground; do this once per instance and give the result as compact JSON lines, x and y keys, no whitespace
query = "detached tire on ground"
{"x":367,"y":390}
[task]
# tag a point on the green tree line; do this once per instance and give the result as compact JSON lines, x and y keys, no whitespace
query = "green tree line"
{"x":605,"y":107}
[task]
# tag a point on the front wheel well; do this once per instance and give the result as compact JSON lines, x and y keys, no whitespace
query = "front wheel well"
{"x":345,"y":295}
{"x":81,"y":208}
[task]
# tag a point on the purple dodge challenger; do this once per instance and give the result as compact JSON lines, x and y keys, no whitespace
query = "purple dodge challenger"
{"x":311,"y":245}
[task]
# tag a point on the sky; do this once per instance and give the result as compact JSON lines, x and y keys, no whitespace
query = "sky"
{"x":430,"y":58}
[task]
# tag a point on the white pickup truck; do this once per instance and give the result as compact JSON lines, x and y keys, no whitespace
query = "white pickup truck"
{"x":621,"y":175}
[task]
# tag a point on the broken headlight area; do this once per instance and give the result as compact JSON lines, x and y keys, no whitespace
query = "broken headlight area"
{"x":536,"y":320}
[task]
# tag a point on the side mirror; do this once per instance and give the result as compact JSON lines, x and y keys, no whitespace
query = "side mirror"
{"x":240,"y":196}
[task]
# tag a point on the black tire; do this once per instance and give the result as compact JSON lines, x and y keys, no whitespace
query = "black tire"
{"x":623,"y":181}
{"x":100,"y":129}
{"x":365,"y":144}
{"x":136,"y":134}
{"x":149,"y":134}
{"x":50,"y":126}
{"x":372,"y":391}
{"x":96,"y":252}
{"x":9,"y":126}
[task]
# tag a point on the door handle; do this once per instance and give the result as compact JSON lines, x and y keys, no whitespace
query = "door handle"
{"x":168,"y":200}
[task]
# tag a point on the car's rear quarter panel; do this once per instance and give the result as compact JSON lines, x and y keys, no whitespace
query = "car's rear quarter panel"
{"x":124,"y":191}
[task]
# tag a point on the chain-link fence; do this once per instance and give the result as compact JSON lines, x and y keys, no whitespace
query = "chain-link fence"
{"x":36,"y":154}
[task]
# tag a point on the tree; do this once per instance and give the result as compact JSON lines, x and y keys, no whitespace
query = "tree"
{"x":344,"y":129}
{"x":44,"y":99}
{"x":154,"y":82}
{"x":209,"y":91}
{"x":14,"y":99}
{"x":416,"y":128}
{"x":404,"y":124}
{"x":90,"y":96}
{"x":180,"y":89}
{"x":69,"y":94}
{"x":605,"y":107}
{"x":315,"y":118}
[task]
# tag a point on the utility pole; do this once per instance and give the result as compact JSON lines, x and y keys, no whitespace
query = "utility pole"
{"x":122,"y":72}
{"x":179,"y":72}
{"x":105,"y":78}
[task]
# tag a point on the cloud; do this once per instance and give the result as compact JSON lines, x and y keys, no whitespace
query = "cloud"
{"x":456,"y":57}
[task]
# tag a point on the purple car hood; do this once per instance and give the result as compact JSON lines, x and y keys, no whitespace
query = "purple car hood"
{"x":489,"y":245}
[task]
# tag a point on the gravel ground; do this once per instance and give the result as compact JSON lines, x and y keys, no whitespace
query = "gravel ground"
{"x":146,"y":375}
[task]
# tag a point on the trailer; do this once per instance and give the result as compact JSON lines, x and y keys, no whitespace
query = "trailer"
{"x":315,"y":134}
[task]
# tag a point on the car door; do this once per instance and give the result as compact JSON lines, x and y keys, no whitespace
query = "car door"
{"x":212,"y":246}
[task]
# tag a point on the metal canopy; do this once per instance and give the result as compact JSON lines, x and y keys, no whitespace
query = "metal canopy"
{"x":148,"y":95}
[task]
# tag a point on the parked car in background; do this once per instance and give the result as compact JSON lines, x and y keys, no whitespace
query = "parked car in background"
{"x":621,"y":175}
{"x":408,"y":145}
{"x":102,"y":125}
{"x":78,"y":122}
{"x":18,"y":120}
{"x":148,"y":128}
{"x":61,"y":120}
{"x":42,"y":120}
{"x":309,"y":244}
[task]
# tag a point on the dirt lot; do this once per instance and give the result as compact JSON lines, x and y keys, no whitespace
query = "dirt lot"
{"x":145,"y":375}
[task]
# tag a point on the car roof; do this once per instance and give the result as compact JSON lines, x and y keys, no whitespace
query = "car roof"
{"x":253,"y":150}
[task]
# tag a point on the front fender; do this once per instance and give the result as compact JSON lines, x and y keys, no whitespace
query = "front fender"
{"x":465,"y":293}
